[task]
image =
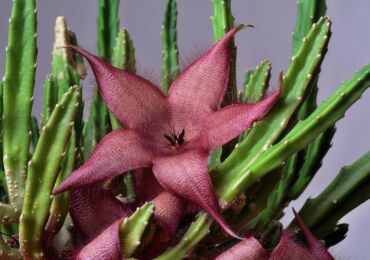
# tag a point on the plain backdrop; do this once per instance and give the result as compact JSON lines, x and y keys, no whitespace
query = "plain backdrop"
{"x":349,"y":49}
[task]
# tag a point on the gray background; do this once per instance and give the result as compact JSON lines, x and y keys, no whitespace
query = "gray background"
{"x":274,"y":21}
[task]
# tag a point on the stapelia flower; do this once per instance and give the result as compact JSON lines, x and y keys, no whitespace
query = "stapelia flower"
{"x":175,"y":134}
{"x":288,"y":249}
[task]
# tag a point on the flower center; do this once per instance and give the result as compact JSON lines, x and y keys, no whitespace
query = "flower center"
{"x":175,"y":138}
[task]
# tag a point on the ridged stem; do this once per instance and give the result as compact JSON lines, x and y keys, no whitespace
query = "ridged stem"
{"x":222,"y":22}
{"x":300,"y":75}
{"x":19,"y":79}
{"x":43,"y":171}
{"x":170,"y":53}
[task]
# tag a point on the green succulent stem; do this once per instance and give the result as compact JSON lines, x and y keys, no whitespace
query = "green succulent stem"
{"x":255,"y":85}
{"x":300,"y":136}
{"x":170,"y":53}
{"x":18,"y":83}
{"x":43,"y":171}
{"x":304,"y":164}
{"x":108,"y":26}
{"x":257,"y":82}
{"x":35,"y":133}
{"x":98,"y":122}
{"x":123,"y":57}
{"x":132,"y":229}
{"x":8,"y":252}
{"x":308,"y":13}
{"x":348,"y":190}
{"x":60,"y":204}
{"x":300,"y":75}
{"x":50,"y":98}
{"x":196,"y":232}
{"x":222,"y":22}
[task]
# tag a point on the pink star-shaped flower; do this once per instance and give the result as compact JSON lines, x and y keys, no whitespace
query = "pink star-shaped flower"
{"x":173,"y":134}
{"x":287,"y":248}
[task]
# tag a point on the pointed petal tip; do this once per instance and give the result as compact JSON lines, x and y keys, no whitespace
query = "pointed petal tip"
{"x":314,"y":245}
{"x":242,"y":26}
{"x":59,"y":189}
{"x":300,"y":222}
{"x":234,"y":235}
{"x":226,"y":228}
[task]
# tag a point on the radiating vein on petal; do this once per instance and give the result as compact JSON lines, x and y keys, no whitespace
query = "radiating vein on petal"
{"x":186,"y":175}
{"x":201,"y":87}
{"x":227,"y":123}
{"x":136,"y":102}
{"x":169,"y":209}
{"x":119,"y":151}
{"x":93,"y":210}
{"x":248,"y":249}
{"x":106,"y":246}
{"x":287,"y":249}
{"x":314,"y":246}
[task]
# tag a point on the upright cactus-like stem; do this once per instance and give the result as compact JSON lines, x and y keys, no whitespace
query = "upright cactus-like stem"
{"x":132,"y":229}
{"x":35,"y":134}
{"x":300,"y":136}
{"x":300,"y":75}
{"x":123,"y":57}
{"x":170,"y":53}
{"x":60,"y":204}
{"x":348,"y":190}
{"x":222,"y":22}
{"x":50,"y":98}
{"x":18,"y":86}
{"x":43,"y":171}
{"x":63,"y":61}
{"x":8,"y":253}
{"x":108,"y":26}
{"x":257,"y":83}
{"x":98,"y":123}
{"x":309,"y":12}
{"x":197,"y":230}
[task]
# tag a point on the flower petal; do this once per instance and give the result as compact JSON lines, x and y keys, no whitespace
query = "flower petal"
{"x":201,"y":87}
{"x":169,"y":210}
{"x":136,"y":102}
{"x":117,"y":152}
{"x":106,"y":246}
{"x":287,"y":249}
{"x":186,"y":175}
{"x":314,"y":246}
{"x":93,"y":210}
{"x":227,"y":123}
{"x":146,"y":186}
{"x":248,"y":249}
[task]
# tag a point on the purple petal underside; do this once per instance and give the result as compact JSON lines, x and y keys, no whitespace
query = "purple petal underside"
{"x":93,"y":210}
{"x":248,"y":249}
{"x":169,"y":210}
{"x":119,"y":151}
{"x":314,"y":246}
{"x":287,"y":249}
{"x":137,"y":103}
{"x":186,"y":175}
{"x":146,"y":186}
{"x":226,"y":124}
{"x":105,"y":246}
{"x":200,"y":88}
